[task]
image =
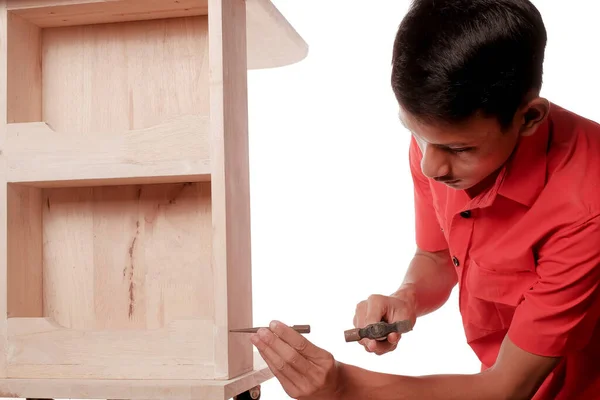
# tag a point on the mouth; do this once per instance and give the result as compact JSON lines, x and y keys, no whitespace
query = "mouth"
{"x":453,"y":182}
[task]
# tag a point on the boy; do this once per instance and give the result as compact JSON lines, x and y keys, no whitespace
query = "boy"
{"x":507,"y":203}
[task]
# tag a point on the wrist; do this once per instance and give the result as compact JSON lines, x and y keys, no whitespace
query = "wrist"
{"x":345,"y":382}
{"x":407,"y":293}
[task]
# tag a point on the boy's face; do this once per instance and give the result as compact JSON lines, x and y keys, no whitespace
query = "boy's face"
{"x":467,"y":156}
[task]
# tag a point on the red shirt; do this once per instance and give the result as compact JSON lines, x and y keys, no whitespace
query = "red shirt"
{"x":527,"y":251}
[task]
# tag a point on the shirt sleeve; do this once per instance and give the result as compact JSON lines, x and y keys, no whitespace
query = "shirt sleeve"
{"x":559,"y":313}
{"x":428,"y":232}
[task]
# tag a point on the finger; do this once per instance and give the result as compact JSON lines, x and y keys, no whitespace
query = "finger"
{"x":359,"y":314}
{"x":286,"y":350}
{"x":287,"y":385}
{"x":375,"y":310}
{"x":380,"y":348}
{"x":394,"y":338}
{"x":298,"y":342}
{"x":289,"y":377}
{"x":314,"y":365}
{"x":367,"y":343}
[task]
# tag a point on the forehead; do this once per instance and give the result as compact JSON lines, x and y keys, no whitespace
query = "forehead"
{"x":473,"y":131}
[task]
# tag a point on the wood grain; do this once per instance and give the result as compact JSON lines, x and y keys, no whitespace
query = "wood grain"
{"x":230,"y":185}
{"x":272,"y":40}
{"x":174,"y":151}
{"x":25,"y":287}
{"x":52,"y":13}
{"x":25,"y":70}
{"x":136,"y":389}
{"x":139,"y":256}
{"x":41,"y":348}
{"x":3,"y":190}
{"x":114,"y":78}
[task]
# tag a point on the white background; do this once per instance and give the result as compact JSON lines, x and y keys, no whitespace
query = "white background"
{"x":332,"y":206}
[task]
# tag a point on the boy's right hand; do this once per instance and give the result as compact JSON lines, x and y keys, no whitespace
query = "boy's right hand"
{"x":384,"y":308}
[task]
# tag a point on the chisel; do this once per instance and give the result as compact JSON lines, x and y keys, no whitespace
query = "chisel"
{"x":297,"y":328}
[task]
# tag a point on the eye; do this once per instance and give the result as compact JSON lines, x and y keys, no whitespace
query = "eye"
{"x":461,"y":149}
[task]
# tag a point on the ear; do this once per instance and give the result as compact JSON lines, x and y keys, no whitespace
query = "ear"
{"x":532,"y":114}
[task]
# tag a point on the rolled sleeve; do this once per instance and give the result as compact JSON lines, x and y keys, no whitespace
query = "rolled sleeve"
{"x":559,"y":313}
{"x":428,"y":232}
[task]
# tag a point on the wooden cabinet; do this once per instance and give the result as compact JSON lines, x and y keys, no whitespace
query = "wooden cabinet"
{"x":125,"y":249}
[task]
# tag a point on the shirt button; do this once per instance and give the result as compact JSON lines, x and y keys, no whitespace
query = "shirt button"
{"x":466,"y":214}
{"x":455,"y":261}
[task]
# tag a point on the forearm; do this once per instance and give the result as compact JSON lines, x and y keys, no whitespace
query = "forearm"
{"x":358,"y":383}
{"x":428,"y":281}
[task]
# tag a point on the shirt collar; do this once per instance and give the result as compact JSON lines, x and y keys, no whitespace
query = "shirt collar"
{"x":525,"y":173}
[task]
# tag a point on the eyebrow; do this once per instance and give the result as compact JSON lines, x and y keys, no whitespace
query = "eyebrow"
{"x":447,"y":145}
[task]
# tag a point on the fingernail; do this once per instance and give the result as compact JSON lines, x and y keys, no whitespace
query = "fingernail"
{"x":273,"y":324}
{"x":264,"y":333}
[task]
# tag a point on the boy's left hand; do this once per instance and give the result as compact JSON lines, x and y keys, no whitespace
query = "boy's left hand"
{"x":304,"y":370}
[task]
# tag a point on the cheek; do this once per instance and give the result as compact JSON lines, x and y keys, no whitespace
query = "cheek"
{"x":476,"y":167}
{"x":489,"y":163}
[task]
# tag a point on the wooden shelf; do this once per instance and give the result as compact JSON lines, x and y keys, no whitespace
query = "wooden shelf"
{"x":172,"y":152}
{"x":136,"y":389}
{"x":175,"y":350}
{"x":271,"y":40}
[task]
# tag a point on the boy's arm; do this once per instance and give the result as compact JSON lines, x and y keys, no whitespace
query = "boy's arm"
{"x":428,"y":281}
{"x":517,"y":375}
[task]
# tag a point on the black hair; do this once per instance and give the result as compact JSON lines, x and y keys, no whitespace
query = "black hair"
{"x":453,"y":59}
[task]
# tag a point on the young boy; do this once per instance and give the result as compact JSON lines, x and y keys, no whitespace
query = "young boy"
{"x":507,"y":203}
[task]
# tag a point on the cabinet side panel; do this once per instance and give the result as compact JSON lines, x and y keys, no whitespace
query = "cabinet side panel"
{"x":24,"y":251}
{"x":3,"y":193}
{"x":24,"y":239}
{"x":231,"y":199}
{"x":24,"y":71}
{"x":110,"y":78}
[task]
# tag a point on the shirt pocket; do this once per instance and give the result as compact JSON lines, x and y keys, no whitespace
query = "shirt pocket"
{"x":495,"y":289}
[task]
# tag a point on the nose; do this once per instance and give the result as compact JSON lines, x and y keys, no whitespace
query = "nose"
{"x":434,"y":163}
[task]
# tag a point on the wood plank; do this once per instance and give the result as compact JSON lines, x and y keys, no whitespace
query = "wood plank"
{"x":55,"y":13}
{"x":146,"y":389}
{"x":25,"y":280}
{"x":24,"y":70}
{"x":3,"y":190}
{"x":25,"y":4}
{"x":103,"y":79}
{"x":24,"y":104}
{"x":43,"y":349}
{"x":174,"y":151}
{"x":230,"y":180}
{"x":128,"y":257}
{"x":272,"y":40}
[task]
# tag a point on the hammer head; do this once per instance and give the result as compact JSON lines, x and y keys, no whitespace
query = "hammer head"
{"x":377,"y":331}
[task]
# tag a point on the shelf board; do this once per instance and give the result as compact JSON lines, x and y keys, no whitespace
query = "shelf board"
{"x":42,"y":348}
{"x":175,"y":151}
{"x":150,"y":389}
{"x":271,"y":40}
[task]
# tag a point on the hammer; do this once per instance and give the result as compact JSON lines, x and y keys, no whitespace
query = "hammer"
{"x":377,"y":331}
